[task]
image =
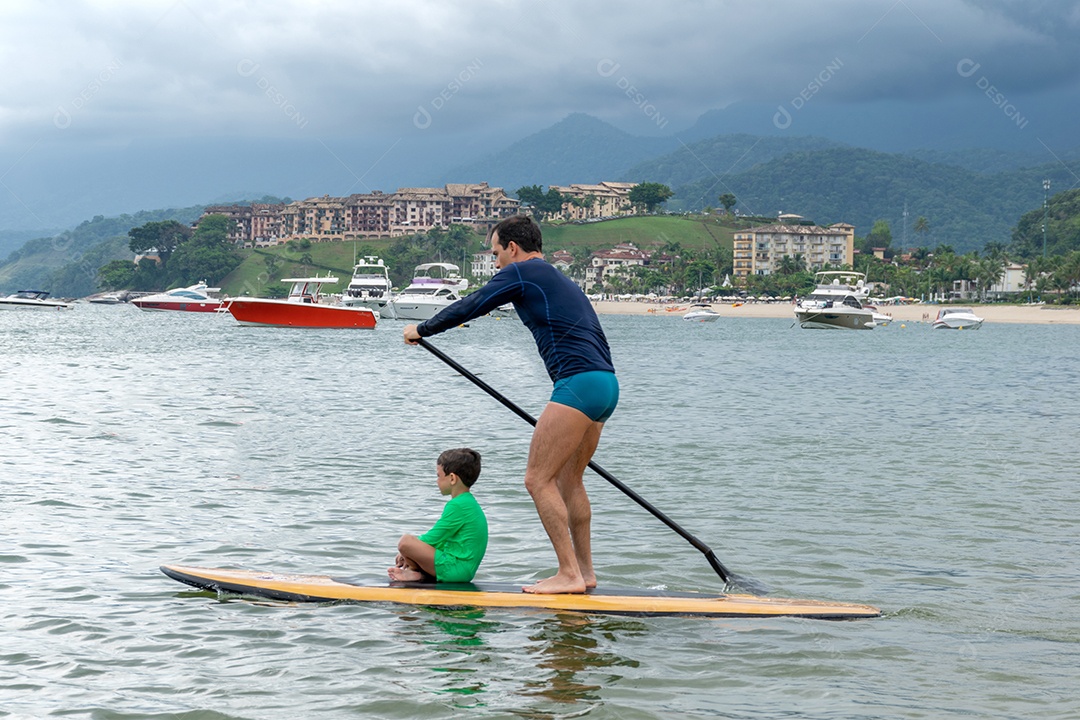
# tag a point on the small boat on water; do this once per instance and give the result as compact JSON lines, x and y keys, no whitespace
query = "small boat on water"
{"x":370,"y":286}
{"x":701,"y":312}
{"x":113,"y":298}
{"x":433,"y":287}
{"x":837,"y":303}
{"x":195,"y":298}
{"x":880,"y":319}
{"x":957,"y":318}
{"x":301,"y":308}
{"x":33,"y":300}
{"x":505,"y":310}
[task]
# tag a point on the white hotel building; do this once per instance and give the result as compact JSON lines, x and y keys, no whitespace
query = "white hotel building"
{"x":758,"y":250}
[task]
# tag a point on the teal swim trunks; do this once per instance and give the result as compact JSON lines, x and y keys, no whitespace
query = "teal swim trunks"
{"x":595,"y":393}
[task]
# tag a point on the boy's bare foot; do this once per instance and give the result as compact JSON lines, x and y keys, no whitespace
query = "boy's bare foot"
{"x":556,"y":584}
{"x":400,"y":574}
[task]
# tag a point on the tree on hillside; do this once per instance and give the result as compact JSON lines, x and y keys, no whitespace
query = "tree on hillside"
{"x":544,"y":204}
{"x":728,"y":200}
{"x":921,"y":226}
{"x":164,"y":237}
{"x":880,"y":236}
{"x":208,"y":255}
{"x":116,"y":275}
{"x":649,"y":195}
{"x":1062,"y":216}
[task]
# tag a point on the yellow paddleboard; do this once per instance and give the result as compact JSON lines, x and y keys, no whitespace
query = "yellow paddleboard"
{"x":636,"y":602}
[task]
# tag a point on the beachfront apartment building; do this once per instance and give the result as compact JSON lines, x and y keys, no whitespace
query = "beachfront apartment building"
{"x":563,"y":260}
{"x":483,"y":263}
{"x":619,"y":260}
{"x":258,"y":221}
{"x":1011,"y":282}
{"x":759,"y":250}
{"x":369,"y":215}
{"x":604,"y":199}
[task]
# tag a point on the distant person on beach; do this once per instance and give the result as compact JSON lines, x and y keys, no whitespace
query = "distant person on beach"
{"x":450,"y":551}
{"x":578,"y":360}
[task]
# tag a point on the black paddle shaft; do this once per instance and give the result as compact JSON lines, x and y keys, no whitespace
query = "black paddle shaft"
{"x":723,"y":572}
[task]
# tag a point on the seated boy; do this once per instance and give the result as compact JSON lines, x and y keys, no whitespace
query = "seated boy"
{"x":452,"y":550}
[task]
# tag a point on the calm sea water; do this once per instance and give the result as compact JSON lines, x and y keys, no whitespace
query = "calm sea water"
{"x":930,"y":473}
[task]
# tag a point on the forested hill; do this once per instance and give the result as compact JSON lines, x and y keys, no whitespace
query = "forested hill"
{"x":968,"y":197}
{"x":963,"y":208}
{"x":69,"y":260}
{"x":719,"y":157}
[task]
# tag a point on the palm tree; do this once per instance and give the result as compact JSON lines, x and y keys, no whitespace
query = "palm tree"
{"x":991,"y":270}
{"x":1070,"y":271}
{"x":921,"y":226}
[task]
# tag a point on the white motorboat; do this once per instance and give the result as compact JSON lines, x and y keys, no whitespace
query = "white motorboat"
{"x":195,"y":298}
{"x":33,"y":300}
{"x":370,"y":287}
{"x":837,"y":303}
{"x":433,"y":287}
{"x":880,"y":319}
{"x":113,"y":298}
{"x":505,"y":310}
{"x":701,"y":312}
{"x":957,"y":318}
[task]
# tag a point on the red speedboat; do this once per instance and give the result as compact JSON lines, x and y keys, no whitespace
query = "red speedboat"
{"x":301,"y":308}
{"x":196,"y":298}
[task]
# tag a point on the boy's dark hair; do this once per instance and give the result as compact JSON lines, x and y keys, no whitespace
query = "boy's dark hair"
{"x":522,"y":230}
{"x":463,"y":462}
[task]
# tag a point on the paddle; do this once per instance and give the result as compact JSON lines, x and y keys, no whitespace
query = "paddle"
{"x":726,"y":575}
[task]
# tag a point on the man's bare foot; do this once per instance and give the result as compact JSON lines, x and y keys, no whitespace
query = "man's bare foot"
{"x":400,"y":574}
{"x":590,"y":580}
{"x":555,"y":585}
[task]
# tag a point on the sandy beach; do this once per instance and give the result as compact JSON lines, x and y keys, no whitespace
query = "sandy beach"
{"x":1031,"y":314}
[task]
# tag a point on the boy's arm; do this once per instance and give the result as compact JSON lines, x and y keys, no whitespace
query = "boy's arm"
{"x":448,"y":524}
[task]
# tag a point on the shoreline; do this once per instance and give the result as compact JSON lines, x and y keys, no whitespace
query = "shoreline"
{"x":916,"y":313}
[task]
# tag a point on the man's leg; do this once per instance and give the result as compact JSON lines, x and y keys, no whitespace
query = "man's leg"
{"x":557,"y":439}
{"x":578,"y":509}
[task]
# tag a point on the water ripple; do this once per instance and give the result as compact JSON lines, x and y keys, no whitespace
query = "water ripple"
{"x":922,"y":472}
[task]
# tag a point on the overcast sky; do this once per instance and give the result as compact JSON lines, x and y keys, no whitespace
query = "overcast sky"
{"x":111,"y":73}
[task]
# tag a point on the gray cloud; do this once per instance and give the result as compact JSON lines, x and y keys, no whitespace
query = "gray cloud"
{"x":282,"y":68}
{"x":351,"y":90}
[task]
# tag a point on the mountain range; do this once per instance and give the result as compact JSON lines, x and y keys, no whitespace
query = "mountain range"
{"x":968,"y":196}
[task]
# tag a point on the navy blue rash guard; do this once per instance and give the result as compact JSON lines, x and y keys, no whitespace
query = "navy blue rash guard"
{"x":556,"y":311}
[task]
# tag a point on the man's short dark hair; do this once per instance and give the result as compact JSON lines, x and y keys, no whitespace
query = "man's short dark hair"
{"x":520,"y":229}
{"x":463,"y":462}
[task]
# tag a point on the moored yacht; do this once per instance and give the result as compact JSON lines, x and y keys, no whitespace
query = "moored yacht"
{"x":433,"y":287}
{"x":701,"y":312}
{"x":370,"y":286}
{"x":836,"y":303}
{"x":195,"y":298}
{"x":957,"y":318}
{"x":33,"y":300}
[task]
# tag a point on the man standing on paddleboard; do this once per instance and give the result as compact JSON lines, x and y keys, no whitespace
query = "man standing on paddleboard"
{"x":578,"y":360}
